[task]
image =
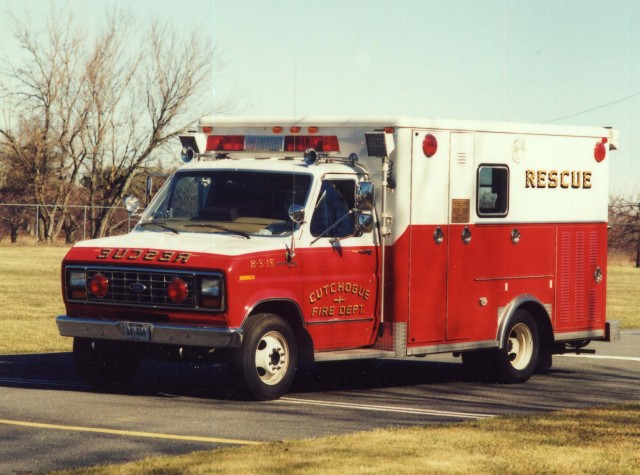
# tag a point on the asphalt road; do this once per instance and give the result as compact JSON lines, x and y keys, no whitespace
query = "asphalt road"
{"x":50,"y":420}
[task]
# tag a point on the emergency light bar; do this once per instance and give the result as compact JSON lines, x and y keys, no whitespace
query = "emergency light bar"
{"x":269,"y":143}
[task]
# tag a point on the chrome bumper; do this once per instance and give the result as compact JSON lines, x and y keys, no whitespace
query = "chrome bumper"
{"x":160,"y":333}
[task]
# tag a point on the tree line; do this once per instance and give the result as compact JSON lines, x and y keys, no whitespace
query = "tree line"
{"x":86,"y":113}
{"x":624,"y":220}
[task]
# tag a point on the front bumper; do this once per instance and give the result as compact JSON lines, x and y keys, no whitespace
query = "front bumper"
{"x":159,"y":333}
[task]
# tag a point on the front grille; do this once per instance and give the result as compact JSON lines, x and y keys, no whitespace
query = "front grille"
{"x":152,"y":287}
{"x":141,"y":287}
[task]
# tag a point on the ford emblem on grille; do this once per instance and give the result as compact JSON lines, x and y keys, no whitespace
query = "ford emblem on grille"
{"x":137,"y":287}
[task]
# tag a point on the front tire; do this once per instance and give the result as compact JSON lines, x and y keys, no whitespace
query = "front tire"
{"x":106,"y":365}
{"x":268,"y":358}
{"x":516,"y":361}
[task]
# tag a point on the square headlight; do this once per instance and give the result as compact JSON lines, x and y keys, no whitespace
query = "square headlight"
{"x":211,"y":292}
{"x":77,"y":284}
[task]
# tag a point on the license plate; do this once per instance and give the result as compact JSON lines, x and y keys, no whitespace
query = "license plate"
{"x":135,"y":331}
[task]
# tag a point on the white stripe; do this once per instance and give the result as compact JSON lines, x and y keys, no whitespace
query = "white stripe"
{"x":603,"y":357}
{"x":369,"y":407}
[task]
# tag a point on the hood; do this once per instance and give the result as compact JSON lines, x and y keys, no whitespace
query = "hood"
{"x":219,"y":243}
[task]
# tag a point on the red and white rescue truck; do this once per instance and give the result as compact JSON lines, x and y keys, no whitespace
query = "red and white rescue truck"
{"x":285,"y":242}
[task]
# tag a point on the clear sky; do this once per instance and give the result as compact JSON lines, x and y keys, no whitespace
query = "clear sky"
{"x":520,"y":61}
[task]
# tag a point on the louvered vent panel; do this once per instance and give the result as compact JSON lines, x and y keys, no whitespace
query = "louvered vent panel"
{"x":565,"y":277}
{"x":579,"y":279}
{"x":593,"y":248}
{"x":593,"y":305}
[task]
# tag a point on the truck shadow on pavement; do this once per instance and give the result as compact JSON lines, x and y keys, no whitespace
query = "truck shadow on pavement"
{"x":56,"y":371}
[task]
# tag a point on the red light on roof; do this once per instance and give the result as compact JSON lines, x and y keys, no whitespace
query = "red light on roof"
{"x":207,"y":130}
{"x":429,"y":146}
{"x":321,"y":143}
{"x":312,"y":130}
{"x":389,"y":130}
{"x":276,"y":129}
{"x":225,"y":143}
{"x":600,"y":151}
{"x":295,"y":129}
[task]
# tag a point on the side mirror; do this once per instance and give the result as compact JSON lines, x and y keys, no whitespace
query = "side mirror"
{"x":131,"y":204}
{"x":364,"y":224}
{"x":296,"y":213}
{"x":364,"y":196}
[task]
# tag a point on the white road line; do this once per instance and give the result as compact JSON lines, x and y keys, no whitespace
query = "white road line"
{"x":603,"y":357}
{"x":377,"y":408}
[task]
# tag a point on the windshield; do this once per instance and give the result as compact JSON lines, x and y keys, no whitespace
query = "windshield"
{"x":238,"y":202}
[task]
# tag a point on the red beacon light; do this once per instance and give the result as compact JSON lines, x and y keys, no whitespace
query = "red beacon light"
{"x":225,"y":143}
{"x":271,"y":143}
{"x":429,"y":145}
{"x":600,"y":151}
{"x":177,"y":290}
{"x":321,"y":143}
{"x":99,"y":286}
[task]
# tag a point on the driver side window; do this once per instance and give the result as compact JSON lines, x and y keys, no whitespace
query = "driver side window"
{"x":337,"y":198}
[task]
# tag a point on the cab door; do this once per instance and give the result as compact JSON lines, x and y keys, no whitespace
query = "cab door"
{"x":339,"y":270}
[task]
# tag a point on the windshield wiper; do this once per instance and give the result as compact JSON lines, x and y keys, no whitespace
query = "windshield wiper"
{"x":160,"y":225}
{"x":219,"y":227}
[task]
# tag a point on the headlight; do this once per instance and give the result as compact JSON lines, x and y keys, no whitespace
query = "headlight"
{"x":211,"y":292}
{"x":77,"y":284}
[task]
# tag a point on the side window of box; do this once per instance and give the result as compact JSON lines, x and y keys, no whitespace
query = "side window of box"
{"x":492,"y":191}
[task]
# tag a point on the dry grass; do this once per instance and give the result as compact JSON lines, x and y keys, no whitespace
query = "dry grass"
{"x":602,"y":440}
{"x":30,"y":299}
{"x":623,"y":295}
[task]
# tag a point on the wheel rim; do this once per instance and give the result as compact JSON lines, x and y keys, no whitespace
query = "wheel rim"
{"x":271,"y":358}
{"x":520,"y":346}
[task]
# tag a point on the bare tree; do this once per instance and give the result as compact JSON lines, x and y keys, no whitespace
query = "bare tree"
{"x":96,"y":108}
{"x":13,"y":219}
{"x":624,"y":218}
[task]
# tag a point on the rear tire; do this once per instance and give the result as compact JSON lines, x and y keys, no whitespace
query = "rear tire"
{"x":516,"y":361}
{"x":267,"y":361}
{"x":106,"y":365}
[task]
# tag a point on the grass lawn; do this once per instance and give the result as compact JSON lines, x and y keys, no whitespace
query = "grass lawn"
{"x":31,"y":299}
{"x":601,"y":440}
